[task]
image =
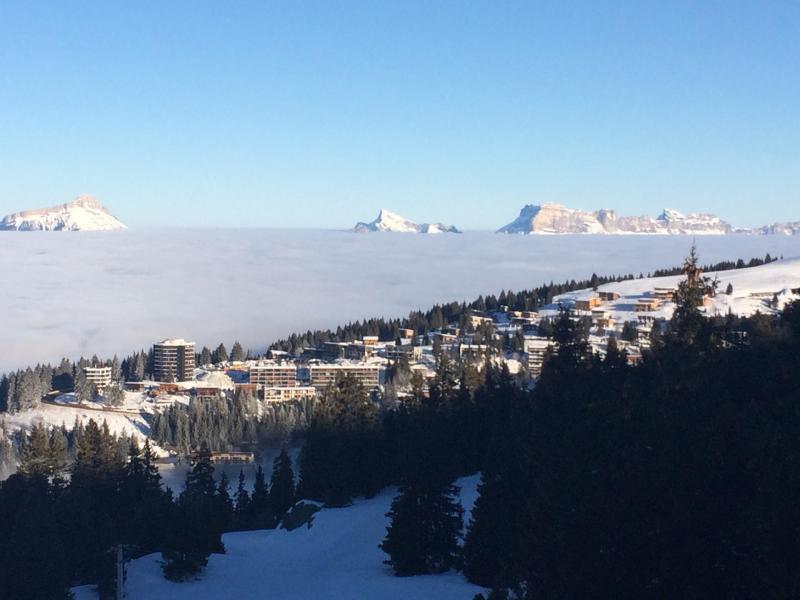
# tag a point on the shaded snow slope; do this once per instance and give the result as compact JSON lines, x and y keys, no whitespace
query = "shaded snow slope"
{"x":336,"y":559}
{"x":84,"y":213}
{"x":389,"y":221}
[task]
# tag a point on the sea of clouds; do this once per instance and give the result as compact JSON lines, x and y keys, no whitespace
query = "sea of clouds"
{"x":73,"y":294}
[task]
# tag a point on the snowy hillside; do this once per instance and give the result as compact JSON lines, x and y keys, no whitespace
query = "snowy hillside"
{"x":389,"y":221}
{"x":84,"y":213}
{"x":337,"y":559}
{"x":753,"y":289}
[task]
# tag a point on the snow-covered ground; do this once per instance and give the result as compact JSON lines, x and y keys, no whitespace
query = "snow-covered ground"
{"x":115,"y":292}
{"x":336,"y":559}
{"x":753,"y":290}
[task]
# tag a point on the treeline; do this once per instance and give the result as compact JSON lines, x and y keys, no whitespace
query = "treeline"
{"x":725,"y":265}
{"x":61,"y":526}
{"x":423,"y":322}
{"x":229,"y":422}
{"x":441,"y":315}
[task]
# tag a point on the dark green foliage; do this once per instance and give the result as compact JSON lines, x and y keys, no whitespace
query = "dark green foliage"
{"x":261,"y":515}
{"x":198,"y":524}
{"x":343,"y":452}
{"x":281,"y":489}
{"x":426,"y":522}
{"x":237,"y":352}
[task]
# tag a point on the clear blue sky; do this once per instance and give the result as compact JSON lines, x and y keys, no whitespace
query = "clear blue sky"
{"x":293,"y":114}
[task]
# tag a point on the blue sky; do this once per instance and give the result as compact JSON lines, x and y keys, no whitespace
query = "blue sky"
{"x":287,"y":114}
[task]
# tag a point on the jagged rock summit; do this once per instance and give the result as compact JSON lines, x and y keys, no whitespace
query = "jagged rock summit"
{"x":84,"y":213}
{"x":389,"y":221}
{"x":558,"y":219}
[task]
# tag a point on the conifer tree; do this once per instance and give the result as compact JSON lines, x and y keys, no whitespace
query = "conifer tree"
{"x":237,"y":352}
{"x":426,"y":522}
{"x":281,"y":489}
{"x":262,"y":516}
{"x":242,"y":503}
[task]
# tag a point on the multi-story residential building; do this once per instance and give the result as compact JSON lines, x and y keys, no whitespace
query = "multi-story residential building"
{"x":323,"y":375}
{"x":359,"y":351}
{"x":99,"y":376}
{"x":285,"y":394}
{"x":173,"y":360}
{"x":333,"y":350}
{"x":400,"y":351}
{"x":274,"y":374}
{"x":537,"y":349}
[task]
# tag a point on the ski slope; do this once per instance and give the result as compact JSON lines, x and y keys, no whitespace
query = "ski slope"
{"x":753,"y":291}
{"x":336,"y":559}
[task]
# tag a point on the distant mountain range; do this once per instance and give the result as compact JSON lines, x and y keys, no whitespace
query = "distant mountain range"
{"x":392,"y":222}
{"x":558,"y":219}
{"x":84,"y":213}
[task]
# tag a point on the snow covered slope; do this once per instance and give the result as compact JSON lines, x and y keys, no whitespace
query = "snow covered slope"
{"x":84,"y":213}
{"x":336,"y":559}
{"x":389,"y":221}
{"x":754,"y":289}
{"x":558,"y":219}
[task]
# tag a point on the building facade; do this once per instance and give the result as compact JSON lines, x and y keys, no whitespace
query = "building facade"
{"x":173,"y":360}
{"x":99,"y":376}
{"x":274,"y":375}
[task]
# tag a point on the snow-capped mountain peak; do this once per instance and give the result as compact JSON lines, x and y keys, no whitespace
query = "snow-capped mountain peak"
{"x":391,"y":221}
{"x":83,"y":213}
{"x":556,"y":219}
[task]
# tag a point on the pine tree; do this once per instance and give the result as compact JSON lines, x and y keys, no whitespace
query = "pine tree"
{"x":205,"y":357}
{"x":198,"y":523}
{"x":220,"y":355}
{"x":242,"y":503}
{"x":262,"y":516}
{"x":281,"y":489}
{"x":426,"y":522}
{"x":237,"y":352}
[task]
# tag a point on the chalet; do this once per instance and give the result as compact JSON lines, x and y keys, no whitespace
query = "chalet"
{"x":647,"y":305}
{"x":587,"y":304}
{"x":608,"y":296}
{"x":476,"y":321}
{"x":665,"y":294}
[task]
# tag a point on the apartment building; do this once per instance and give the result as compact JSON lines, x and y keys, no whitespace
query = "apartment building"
{"x":173,"y":360}
{"x":285,"y":394}
{"x":400,"y":351}
{"x":274,"y":375}
{"x":99,"y":376}
{"x":537,"y":349}
{"x":322,"y":375}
